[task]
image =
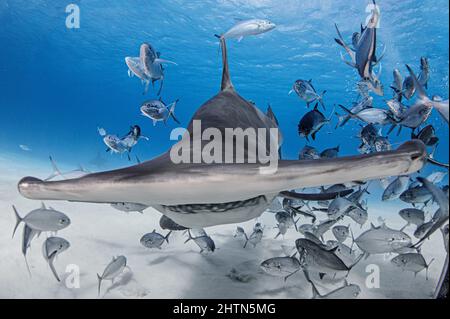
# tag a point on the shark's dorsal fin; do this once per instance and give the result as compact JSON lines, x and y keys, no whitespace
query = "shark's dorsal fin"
{"x":226,"y":80}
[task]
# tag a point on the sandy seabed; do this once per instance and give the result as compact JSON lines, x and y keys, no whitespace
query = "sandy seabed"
{"x":178,"y":270}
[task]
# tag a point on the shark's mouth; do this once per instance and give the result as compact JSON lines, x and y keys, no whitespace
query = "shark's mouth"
{"x":216,"y":207}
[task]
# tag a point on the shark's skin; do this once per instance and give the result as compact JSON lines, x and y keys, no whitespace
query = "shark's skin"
{"x":202,"y":195}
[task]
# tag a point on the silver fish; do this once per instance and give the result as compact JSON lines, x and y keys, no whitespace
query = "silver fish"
{"x":323,"y":227}
{"x":204,"y":242}
{"x":412,"y":262}
{"x":338,"y":207}
{"x":256,"y":236}
{"x":248,"y":27}
{"x":129,"y":207}
{"x":381,"y":240}
{"x":135,"y":68}
{"x":341,"y":232}
{"x":424,"y":74}
{"x":416,"y":195}
{"x":157,"y":110}
{"x":396,"y":188}
{"x":371,"y":115}
{"x":408,"y":88}
{"x":345,"y":253}
{"x":152,"y":64}
{"x":281,"y":266}
{"x":240,"y":232}
{"x":306,"y":91}
{"x":315,"y":257}
{"x":43,"y":219}
{"x":423,"y":229}
{"x":359,"y":215}
{"x":112,"y":270}
{"x":52,"y":247}
{"x":347,"y":291}
{"x":412,"y":216}
{"x":154,"y":239}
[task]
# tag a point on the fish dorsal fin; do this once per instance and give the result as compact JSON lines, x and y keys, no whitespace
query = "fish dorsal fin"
{"x":43,"y":205}
{"x":316,"y":107}
{"x":372,"y":226}
{"x":226,"y":80}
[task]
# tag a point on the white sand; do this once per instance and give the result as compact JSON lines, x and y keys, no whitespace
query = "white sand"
{"x":99,"y":232}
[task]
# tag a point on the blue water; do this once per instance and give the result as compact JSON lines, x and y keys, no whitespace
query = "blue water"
{"x":58,"y":85}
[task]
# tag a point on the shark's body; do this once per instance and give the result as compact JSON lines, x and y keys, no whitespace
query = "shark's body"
{"x":201,"y":195}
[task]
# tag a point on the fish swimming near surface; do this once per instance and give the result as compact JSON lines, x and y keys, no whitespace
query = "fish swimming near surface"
{"x":338,"y":207}
{"x":412,"y":262}
{"x":154,"y":239}
{"x":359,"y":215}
{"x":135,"y":68}
{"x":52,"y":247}
{"x":129,"y":207}
{"x":281,"y":266}
{"x":157,"y":110}
{"x":249,"y":27}
{"x":152,"y":64}
{"x":217,"y":193}
{"x":365,"y":103}
{"x":408,"y":88}
{"x":112,"y":270}
{"x":306,"y":91}
{"x":441,"y":106}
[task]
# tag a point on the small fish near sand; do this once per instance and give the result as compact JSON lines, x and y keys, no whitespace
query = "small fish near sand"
{"x":412,"y":262}
{"x":154,"y":239}
{"x":382,"y":240}
{"x":281,"y":266}
{"x":112,"y":270}
{"x":204,"y":242}
{"x":129,"y":207}
{"x":52,"y":247}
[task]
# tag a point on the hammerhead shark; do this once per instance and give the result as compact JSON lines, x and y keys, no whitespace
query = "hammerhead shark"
{"x":199,"y":195}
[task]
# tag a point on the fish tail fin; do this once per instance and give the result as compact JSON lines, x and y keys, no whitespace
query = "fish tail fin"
{"x":320,"y":98}
{"x":52,"y":268}
{"x":428,"y":266}
{"x":28,"y":266}
{"x":167,"y":236}
{"x":172,"y":111}
{"x":189,"y":237}
{"x":18,"y":220}
{"x":99,"y":283}
{"x":56,"y":171}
